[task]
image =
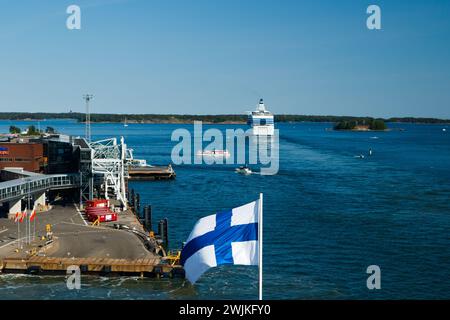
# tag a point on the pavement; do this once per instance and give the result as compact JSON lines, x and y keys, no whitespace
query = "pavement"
{"x":74,"y":236}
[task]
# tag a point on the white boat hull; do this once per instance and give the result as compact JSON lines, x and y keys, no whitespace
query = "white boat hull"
{"x":263,"y":130}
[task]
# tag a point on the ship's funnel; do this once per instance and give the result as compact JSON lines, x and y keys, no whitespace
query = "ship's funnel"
{"x":261,"y":106}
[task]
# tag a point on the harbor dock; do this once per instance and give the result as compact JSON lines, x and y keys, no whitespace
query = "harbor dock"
{"x":103,"y":249}
{"x":102,"y":266}
{"x":60,"y":185}
{"x":151,"y":173}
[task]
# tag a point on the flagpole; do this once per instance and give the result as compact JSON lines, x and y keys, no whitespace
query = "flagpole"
{"x":26,"y":226}
{"x":260,"y":245}
{"x":18,"y":232}
{"x":26,"y":216}
{"x":29,"y":213}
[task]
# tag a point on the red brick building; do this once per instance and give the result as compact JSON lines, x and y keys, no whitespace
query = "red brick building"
{"x":29,"y":156}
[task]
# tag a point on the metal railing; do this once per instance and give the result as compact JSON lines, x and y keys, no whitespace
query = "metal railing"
{"x":19,"y":188}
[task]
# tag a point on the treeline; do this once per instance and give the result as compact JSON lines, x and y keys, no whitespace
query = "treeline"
{"x":419,"y":120}
{"x":31,"y":130}
{"x":110,"y":117}
{"x":373,"y":124}
{"x":180,"y":118}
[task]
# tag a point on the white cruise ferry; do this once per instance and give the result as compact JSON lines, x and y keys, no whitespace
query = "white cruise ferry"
{"x":261,"y":121}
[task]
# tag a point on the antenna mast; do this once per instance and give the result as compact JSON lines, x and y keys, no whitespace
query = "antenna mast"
{"x":87,"y":98}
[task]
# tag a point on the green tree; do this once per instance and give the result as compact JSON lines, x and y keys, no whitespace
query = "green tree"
{"x":32,"y":131}
{"x":345,"y":125}
{"x":14,"y":129}
{"x":377,"y":124}
{"x":352,"y":124}
{"x":50,"y":130}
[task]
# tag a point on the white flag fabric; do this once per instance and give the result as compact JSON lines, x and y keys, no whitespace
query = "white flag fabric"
{"x":228,"y":237}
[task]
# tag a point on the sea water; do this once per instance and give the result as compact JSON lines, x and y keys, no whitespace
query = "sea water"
{"x":328,"y":215}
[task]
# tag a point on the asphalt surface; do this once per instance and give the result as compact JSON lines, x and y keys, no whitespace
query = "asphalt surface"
{"x":75,"y":237}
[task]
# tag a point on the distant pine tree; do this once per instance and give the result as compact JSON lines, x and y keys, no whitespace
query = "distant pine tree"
{"x":14,"y":130}
{"x":50,"y":130}
{"x":32,"y":131}
{"x":377,"y":124}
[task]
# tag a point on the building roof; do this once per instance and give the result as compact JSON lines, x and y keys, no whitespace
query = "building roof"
{"x":22,"y":172}
{"x":81,"y":142}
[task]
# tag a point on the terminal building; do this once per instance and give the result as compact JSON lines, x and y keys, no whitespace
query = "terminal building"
{"x":26,"y":155}
{"x":50,"y":154}
{"x":36,"y":167}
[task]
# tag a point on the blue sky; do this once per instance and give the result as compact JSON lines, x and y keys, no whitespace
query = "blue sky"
{"x":221,"y":56}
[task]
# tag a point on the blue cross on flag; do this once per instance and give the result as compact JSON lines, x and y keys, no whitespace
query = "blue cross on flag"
{"x":228,"y":237}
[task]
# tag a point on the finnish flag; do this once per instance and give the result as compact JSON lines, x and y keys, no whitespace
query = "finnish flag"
{"x":227,"y":237}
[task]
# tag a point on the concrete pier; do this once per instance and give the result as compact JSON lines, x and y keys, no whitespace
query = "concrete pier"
{"x":151,"y":173}
{"x":62,"y":235}
{"x":95,"y":249}
{"x":47,"y":265}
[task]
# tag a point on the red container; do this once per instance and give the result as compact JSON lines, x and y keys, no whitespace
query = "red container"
{"x":98,"y":203}
{"x":99,"y":209}
{"x":105,"y":216}
{"x":93,"y":209}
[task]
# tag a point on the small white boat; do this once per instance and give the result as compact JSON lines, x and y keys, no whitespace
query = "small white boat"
{"x":214,"y":153}
{"x":244,"y":170}
{"x":125,"y":124}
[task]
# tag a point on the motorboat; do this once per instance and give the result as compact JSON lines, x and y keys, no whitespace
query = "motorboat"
{"x":244,"y":170}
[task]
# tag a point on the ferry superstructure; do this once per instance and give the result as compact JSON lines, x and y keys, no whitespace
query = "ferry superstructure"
{"x":261,"y":121}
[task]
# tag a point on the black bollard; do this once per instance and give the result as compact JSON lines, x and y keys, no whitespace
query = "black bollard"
{"x":132,"y":198}
{"x":161,"y":230}
{"x":135,"y":203}
{"x":145,"y":213}
{"x":138,"y":204}
{"x":150,"y":223}
{"x":166,"y":232}
{"x":148,"y":218}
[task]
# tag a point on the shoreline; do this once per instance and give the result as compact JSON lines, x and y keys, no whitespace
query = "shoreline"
{"x":359,"y":130}
{"x":210,"y":119}
{"x":444,"y":122}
